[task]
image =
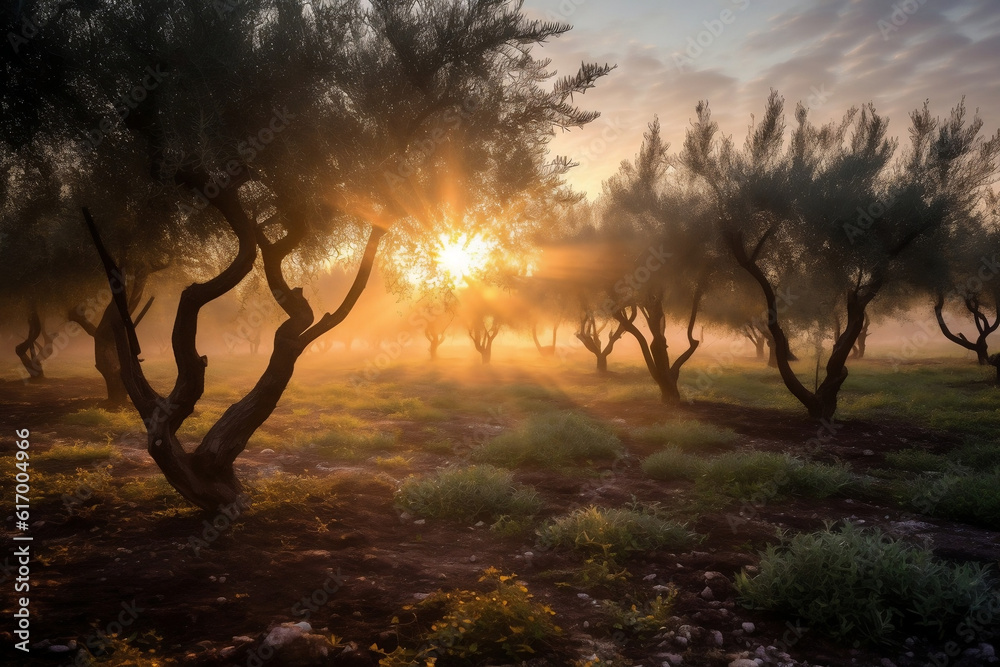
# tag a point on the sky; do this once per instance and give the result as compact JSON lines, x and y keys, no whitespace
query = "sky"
{"x":829,"y":54}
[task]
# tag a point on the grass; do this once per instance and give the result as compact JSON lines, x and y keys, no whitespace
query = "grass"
{"x":748,"y":474}
{"x":960,"y":495}
{"x":78,"y":453}
{"x":916,"y":460}
{"x":550,"y":440}
{"x":672,"y":463}
{"x":615,"y":532}
{"x":104,"y":421}
{"x":688,"y":435}
{"x":751,"y":474}
{"x":854,"y":582}
{"x":352,"y":445}
{"x":501,"y":624}
{"x":468,"y":494}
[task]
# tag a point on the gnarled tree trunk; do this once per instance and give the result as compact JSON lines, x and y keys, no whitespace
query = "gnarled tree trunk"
{"x":31,"y":352}
{"x":654,"y":351}
{"x":590,"y":335}
{"x":983,"y":327}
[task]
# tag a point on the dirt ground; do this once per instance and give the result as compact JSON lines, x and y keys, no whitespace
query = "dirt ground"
{"x":215,"y":607}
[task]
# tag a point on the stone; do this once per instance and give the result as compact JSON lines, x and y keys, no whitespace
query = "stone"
{"x":717,"y":638}
{"x":749,"y":628}
{"x":743,"y":662}
{"x":707,"y":594}
{"x":673,"y":659}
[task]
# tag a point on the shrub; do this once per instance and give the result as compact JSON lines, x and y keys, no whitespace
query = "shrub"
{"x":916,"y":460}
{"x":640,"y":619}
{"x":550,"y":440}
{"x":978,"y":456}
{"x":468,"y":494}
{"x":853,"y":582}
{"x":673,"y":463}
{"x":747,"y":474}
{"x":502,"y":624}
{"x":969,"y":497}
{"x":615,"y":532}
{"x":687,"y":435}
{"x":78,"y":453}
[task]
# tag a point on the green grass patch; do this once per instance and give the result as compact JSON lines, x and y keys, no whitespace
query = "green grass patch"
{"x":672,"y":463}
{"x":614,"y":532}
{"x":468,"y":494}
{"x":688,"y":435}
{"x":550,"y":440}
{"x":853,"y":582}
{"x":751,"y":474}
{"x":78,"y":453}
{"x":962,"y":495}
{"x":502,"y":624}
{"x":107,"y":422}
{"x":916,"y":460}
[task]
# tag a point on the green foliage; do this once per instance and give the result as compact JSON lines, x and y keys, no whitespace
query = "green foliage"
{"x":468,"y":494}
{"x":614,"y":532}
{"x":354,"y":446}
{"x":960,"y":495}
{"x":640,"y":619}
{"x":78,"y":453}
{"x":104,"y":421}
{"x":978,"y":455}
{"x":687,"y":435}
{"x":916,"y":460}
{"x":550,"y":440}
{"x":750,"y":474}
{"x":854,"y":582}
{"x":501,"y":624}
{"x":672,"y":463}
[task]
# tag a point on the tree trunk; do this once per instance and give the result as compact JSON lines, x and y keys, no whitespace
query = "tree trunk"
{"x":602,"y":363}
{"x":28,"y":351}
{"x":106,"y":361}
{"x":760,"y":345}
{"x":435,"y":344}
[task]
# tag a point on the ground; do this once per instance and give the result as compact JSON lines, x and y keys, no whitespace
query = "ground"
{"x":327,"y":541}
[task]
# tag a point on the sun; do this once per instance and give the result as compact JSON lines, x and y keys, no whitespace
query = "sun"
{"x":463,"y":256}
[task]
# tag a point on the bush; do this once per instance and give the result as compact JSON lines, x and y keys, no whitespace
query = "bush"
{"x":687,"y":435}
{"x":916,"y":460}
{"x":615,"y":532}
{"x":640,"y":619}
{"x":747,"y":474}
{"x":978,"y":456}
{"x":969,"y":497}
{"x":672,"y":463}
{"x":853,"y":582}
{"x":503,"y":624}
{"x":468,"y":494}
{"x":112,"y":422}
{"x":550,"y":440}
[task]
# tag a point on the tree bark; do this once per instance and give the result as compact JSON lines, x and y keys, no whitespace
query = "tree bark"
{"x":654,"y":351}
{"x":30,"y":352}
{"x":590,"y":335}
{"x":983,"y":328}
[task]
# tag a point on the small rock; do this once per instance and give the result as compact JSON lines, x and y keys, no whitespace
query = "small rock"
{"x":681,"y":641}
{"x":59,"y":648}
{"x":707,"y":594}
{"x":868,"y":452}
{"x":583,"y":596}
{"x":419,"y":522}
{"x":421,"y":596}
{"x":673,"y":659}
{"x":242,"y":639}
{"x":480,"y":524}
{"x":222,"y":580}
{"x":220,"y":600}
{"x":472,"y":558}
{"x":987,"y":651}
{"x":266,"y":452}
{"x":749,"y":628}
{"x":661,"y":589}
{"x":649,"y":577}
{"x":405,"y":516}
{"x":717,"y":638}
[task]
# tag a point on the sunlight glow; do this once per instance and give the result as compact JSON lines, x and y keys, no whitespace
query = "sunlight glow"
{"x":461,"y":257}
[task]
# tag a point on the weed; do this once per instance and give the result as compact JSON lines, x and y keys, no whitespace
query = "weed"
{"x":854,"y":582}
{"x":468,"y":494}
